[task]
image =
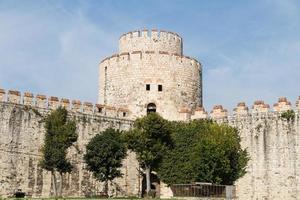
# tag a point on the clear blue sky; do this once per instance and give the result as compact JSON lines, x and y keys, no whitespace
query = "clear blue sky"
{"x":249,"y":49}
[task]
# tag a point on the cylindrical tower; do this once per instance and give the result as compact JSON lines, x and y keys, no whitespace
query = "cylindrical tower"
{"x":150,"y":74}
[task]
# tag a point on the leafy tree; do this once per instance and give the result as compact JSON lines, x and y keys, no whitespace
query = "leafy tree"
{"x":60,"y":135}
{"x":203,"y":152}
{"x":149,"y":139}
{"x":104,"y":155}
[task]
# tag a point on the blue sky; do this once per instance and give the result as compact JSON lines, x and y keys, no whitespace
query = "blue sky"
{"x":249,"y":49}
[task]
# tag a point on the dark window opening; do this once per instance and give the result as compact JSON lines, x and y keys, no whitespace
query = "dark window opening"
{"x":159,"y":88}
{"x":124,"y":114}
{"x":151,"y":108}
{"x":147,"y":87}
{"x":100,"y":110}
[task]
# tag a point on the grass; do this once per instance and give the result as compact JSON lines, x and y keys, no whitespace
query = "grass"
{"x":127,"y":198}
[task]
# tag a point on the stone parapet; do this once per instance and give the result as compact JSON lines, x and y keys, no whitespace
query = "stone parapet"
{"x":126,"y":58}
{"x":51,"y":103}
{"x":218,"y":113}
{"x":150,"y":40}
{"x":241,"y":110}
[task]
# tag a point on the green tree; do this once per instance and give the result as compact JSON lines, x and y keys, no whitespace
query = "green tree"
{"x":104,"y":155}
{"x":203,"y":152}
{"x":60,"y":135}
{"x":149,"y":139}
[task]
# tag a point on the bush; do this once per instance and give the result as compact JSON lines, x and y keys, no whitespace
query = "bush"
{"x":289,"y":115}
{"x":203,"y":152}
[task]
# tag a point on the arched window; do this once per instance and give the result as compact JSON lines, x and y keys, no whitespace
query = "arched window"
{"x":151,"y":108}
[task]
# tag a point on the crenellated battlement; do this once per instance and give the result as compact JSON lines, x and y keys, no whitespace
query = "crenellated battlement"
{"x":126,"y":58}
{"x":153,"y":33}
{"x":52,"y":102}
{"x":218,"y":112}
{"x":150,"y":40}
{"x":259,"y":107}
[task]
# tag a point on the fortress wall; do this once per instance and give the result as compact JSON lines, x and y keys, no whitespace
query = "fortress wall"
{"x":150,"y":40}
{"x":124,"y":82}
{"x":271,"y":140}
{"x":273,"y":145}
{"x":21,"y":138}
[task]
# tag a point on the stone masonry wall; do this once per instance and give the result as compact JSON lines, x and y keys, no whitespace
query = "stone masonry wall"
{"x":273,"y":143}
{"x":21,"y":139}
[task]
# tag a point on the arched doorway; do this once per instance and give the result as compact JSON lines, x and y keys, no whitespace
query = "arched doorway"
{"x":151,"y":107}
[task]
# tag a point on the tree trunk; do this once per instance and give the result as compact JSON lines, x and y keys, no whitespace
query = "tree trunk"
{"x":54,"y":183}
{"x":148,"y":181}
{"x":139,"y":178}
{"x":106,"y":188}
{"x":61,"y":184}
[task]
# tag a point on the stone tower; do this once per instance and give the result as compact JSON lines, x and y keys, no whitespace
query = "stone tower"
{"x":150,"y":73}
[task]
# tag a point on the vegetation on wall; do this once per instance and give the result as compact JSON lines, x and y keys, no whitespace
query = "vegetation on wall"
{"x":289,"y":115}
{"x":104,"y":155}
{"x":60,"y":135}
{"x":203,"y":152}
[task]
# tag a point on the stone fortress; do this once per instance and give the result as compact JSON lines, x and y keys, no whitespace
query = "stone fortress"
{"x":149,"y":74}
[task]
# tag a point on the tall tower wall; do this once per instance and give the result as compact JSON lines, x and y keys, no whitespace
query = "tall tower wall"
{"x":124,"y":77}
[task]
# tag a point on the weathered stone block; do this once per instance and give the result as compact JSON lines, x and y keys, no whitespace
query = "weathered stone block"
{"x":14,"y":96}
{"x":65,"y":103}
{"x":76,"y":106}
{"x":88,"y":108}
{"x":40,"y":101}
{"x":53,"y":103}
{"x":28,"y":99}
